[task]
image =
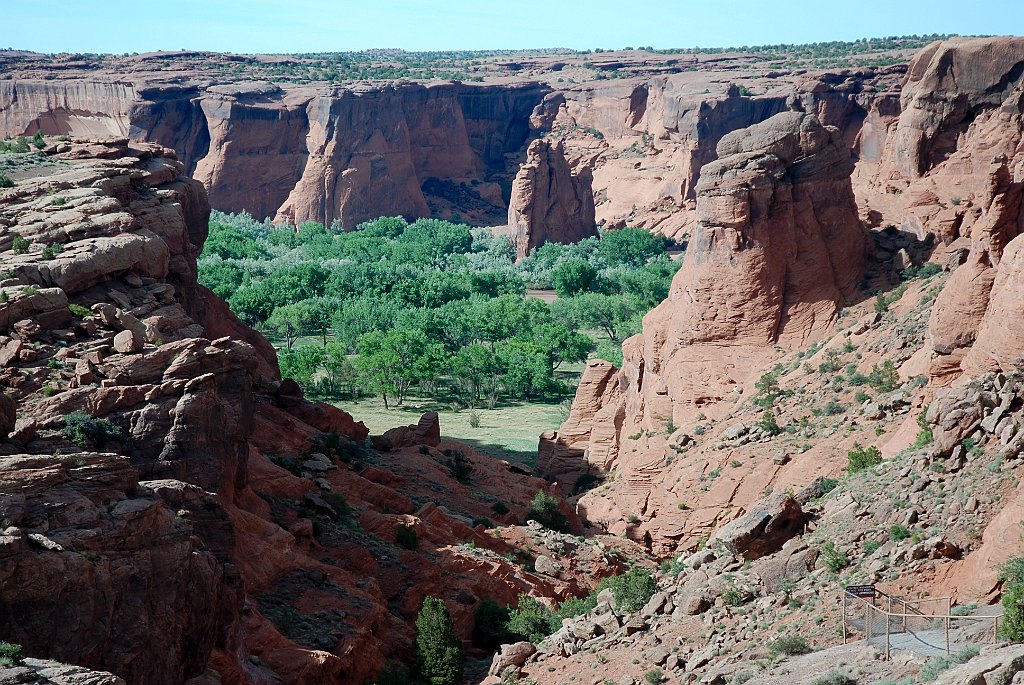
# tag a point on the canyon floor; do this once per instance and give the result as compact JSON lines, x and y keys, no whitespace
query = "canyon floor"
{"x":830,"y":395}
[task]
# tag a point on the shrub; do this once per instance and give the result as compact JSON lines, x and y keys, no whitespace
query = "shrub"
{"x":790,"y":645}
{"x":871,"y":546}
{"x":10,"y":654}
{"x":962,"y":656}
{"x":768,"y":423}
{"x":742,"y":677}
{"x":489,"y":630}
{"x":924,"y":436}
{"x":474,"y":419}
{"x":406,"y":538}
{"x":531,"y":620}
{"x":633,"y":589}
{"x":886,"y":378}
{"x":51,"y":251}
{"x":834,"y":560}
{"x":339,"y":504}
{"x":734,"y":597}
{"x":898,"y":532}
{"x":654,"y":676}
{"x":1012,"y":575}
{"x":20,"y":244}
{"x":438,"y":648}
{"x":963,"y":609}
{"x":544,"y":510}
{"x":829,"y":484}
{"x":499,"y":508}
{"x":485,"y":522}
{"x":78,"y":310}
{"x":6,"y":181}
{"x":834,"y":678}
{"x":932,"y":669}
{"x":393,"y":674}
{"x":459,"y":467}
{"x":82,"y":429}
{"x":861,"y":458}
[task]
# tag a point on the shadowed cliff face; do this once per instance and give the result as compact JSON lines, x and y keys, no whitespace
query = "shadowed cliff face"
{"x":314,"y":152}
{"x":306,"y":154}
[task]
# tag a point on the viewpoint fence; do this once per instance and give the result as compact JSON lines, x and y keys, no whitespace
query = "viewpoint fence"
{"x":925,"y":626}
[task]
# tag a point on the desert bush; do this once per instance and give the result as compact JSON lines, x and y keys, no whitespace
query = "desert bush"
{"x":654,"y":676}
{"x":78,"y":310}
{"x":633,"y":589}
{"x":544,"y":510}
{"x":861,"y":458}
{"x":406,"y":538}
{"x":932,"y":669}
{"x":835,"y":561}
{"x":1012,"y":574}
{"x":10,"y":654}
{"x":898,"y":532}
{"x":20,"y":244}
{"x":834,"y":678}
{"x":83,"y":430}
{"x":339,"y":504}
{"x":489,"y":630}
{"x":790,"y":645}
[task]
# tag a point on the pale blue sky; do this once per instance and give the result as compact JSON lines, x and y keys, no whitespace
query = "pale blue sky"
{"x":339,"y":25}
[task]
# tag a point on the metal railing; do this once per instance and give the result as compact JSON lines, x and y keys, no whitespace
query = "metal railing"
{"x":926,"y":626}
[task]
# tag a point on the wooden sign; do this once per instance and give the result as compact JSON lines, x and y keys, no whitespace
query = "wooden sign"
{"x":865,"y":591}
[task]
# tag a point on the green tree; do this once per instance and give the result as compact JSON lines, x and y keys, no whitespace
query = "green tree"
{"x":630,"y":246}
{"x":290,"y":321}
{"x":392,"y":361}
{"x":301,"y":364}
{"x":572,"y":277}
{"x":228,"y":242}
{"x":439,"y":651}
{"x":545,"y":510}
{"x":526,"y":368}
{"x":341,"y":374}
{"x":475,"y":370}
{"x":1012,"y":575}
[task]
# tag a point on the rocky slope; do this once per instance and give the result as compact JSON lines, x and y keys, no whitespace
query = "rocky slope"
{"x":174,"y":511}
{"x":684,"y":460}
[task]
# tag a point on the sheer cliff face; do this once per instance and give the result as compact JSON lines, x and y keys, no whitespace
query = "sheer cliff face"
{"x":957,"y":156}
{"x":305,"y":154}
{"x":777,"y":249}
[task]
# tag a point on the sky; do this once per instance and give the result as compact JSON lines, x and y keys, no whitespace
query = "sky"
{"x":268,"y":26}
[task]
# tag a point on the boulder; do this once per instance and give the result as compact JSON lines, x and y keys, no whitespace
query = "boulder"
{"x":127,"y":342}
{"x":511,"y":656}
{"x":427,"y":431}
{"x":763,"y":529}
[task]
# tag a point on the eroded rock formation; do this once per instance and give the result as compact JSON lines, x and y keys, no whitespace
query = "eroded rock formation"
{"x":550,"y":202}
{"x":198,"y":518}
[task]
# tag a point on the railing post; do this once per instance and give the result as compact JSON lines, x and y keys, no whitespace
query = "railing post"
{"x":844,"y":617}
{"x":888,"y":615}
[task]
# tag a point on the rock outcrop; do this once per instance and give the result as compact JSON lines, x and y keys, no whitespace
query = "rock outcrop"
{"x":951,"y":169}
{"x":777,"y":251}
{"x":173,"y":509}
{"x":550,"y":202}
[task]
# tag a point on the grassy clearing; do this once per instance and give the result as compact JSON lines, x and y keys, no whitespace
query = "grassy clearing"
{"x":509,"y":431}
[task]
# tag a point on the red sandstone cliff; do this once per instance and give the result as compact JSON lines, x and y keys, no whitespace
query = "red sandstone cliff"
{"x":206,"y":535}
{"x":550,"y":202}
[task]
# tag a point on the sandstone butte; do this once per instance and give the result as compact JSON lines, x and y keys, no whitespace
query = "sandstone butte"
{"x":205,"y":545}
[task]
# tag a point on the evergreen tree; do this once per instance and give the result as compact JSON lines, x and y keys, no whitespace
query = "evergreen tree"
{"x":438,"y":648}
